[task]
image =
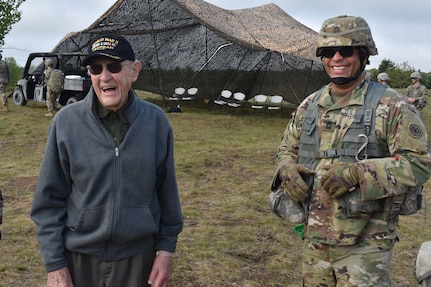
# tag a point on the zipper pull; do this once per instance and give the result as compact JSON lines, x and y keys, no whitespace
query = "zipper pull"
{"x":117,"y":151}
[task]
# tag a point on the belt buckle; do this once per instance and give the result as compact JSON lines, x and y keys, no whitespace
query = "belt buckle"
{"x":331,"y":153}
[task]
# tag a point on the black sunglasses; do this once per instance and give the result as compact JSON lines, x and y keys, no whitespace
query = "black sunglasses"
{"x":114,"y":67}
{"x":343,"y":51}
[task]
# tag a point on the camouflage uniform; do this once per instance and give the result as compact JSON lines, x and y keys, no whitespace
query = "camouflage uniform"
{"x":51,"y":95}
{"x":4,"y":80}
{"x":418,"y":92}
{"x":409,"y":166}
{"x":342,"y":250}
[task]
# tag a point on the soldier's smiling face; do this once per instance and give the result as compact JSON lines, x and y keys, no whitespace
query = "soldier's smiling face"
{"x":342,"y":66}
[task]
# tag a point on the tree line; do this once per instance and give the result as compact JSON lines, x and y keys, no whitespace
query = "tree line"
{"x":399,"y":74}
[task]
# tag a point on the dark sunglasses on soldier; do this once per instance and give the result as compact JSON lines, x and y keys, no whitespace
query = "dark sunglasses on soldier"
{"x":343,"y":51}
{"x":114,"y":67}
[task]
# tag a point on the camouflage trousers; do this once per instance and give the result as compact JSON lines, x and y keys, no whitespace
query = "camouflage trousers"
{"x":51,"y":100}
{"x":3,"y":96}
{"x":365,"y":264}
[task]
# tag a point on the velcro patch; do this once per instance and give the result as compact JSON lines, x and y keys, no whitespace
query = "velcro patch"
{"x":415,"y":130}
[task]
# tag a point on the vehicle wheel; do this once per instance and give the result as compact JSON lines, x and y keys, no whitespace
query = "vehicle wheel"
{"x":71,"y":100}
{"x":18,"y":97}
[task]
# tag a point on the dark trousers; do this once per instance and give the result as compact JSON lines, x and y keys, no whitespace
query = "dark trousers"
{"x":88,"y":271}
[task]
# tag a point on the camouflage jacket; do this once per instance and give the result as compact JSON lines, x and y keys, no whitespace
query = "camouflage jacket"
{"x":398,"y":126}
{"x":4,"y":72}
{"x":420,"y":93}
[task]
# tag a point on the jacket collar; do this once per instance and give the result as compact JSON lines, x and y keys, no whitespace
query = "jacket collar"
{"x":355,"y":97}
{"x":129,"y":111}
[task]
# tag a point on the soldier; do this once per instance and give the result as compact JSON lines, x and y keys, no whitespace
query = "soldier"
{"x":417,"y":93}
{"x":348,"y":151}
{"x":4,"y":80}
{"x":54,"y":83}
{"x":383,"y":79}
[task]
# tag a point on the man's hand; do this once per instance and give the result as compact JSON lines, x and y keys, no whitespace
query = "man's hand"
{"x":293,"y":183}
{"x":340,"y":178}
{"x":59,"y":278}
{"x":161,"y":270}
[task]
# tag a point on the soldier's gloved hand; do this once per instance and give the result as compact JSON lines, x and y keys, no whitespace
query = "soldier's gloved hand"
{"x":340,"y":178}
{"x":293,"y":183}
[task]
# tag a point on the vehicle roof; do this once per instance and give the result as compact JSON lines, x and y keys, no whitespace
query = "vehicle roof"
{"x":45,"y":54}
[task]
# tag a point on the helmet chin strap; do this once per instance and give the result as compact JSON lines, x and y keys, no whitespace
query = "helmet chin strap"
{"x":343,"y":80}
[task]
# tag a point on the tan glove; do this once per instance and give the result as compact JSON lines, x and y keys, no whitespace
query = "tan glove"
{"x":293,"y":183}
{"x":340,"y":178}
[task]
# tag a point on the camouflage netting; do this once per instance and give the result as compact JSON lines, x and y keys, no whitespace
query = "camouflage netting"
{"x":191,"y":43}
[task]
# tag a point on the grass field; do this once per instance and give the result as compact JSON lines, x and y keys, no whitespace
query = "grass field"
{"x":224,"y":168}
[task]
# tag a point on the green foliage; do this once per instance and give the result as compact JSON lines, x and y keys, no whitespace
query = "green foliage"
{"x":399,"y":74}
{"x":9,"y":15}
{"x":386,"y":64}
{"x":426,"y":79}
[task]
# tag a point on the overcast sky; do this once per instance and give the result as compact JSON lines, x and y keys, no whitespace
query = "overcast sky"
{"x":401,"y":29}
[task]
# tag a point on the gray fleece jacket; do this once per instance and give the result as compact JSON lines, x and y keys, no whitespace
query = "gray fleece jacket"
{"x":109,"y":201}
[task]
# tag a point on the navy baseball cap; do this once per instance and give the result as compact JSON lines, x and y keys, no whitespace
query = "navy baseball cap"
{"x":110,"y":46}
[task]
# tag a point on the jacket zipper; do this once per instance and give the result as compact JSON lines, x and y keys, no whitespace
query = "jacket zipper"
{"x":114,"y":198}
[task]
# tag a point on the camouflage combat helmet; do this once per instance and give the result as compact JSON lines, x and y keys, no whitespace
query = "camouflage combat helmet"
{"x":383,"y":77}
{"x":344,"y":31}
{"x":48,"y":62}
{"x":416,"y":75}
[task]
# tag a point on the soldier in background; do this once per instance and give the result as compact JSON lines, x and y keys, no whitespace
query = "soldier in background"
{"x":383,"y":79}
{"x":4,"y":80}
{"x":348,"y":151}
{"x":417,"y":93}
{"x":54,"y":84}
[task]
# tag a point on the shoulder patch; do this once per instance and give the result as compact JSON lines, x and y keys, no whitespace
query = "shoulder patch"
{"x":415,"y":130}
{"x":412,"y":134}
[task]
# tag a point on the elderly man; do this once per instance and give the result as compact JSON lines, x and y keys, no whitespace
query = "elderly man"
{"x":106,"y":204}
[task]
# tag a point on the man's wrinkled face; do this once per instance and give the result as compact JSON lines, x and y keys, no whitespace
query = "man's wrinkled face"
{"x":113,"y":80}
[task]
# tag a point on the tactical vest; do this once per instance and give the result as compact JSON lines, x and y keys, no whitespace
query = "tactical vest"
{"x":56,"y":80}
{"x":417,"y":93}
{"x":353,"y":145}
{"x":359,"y":142}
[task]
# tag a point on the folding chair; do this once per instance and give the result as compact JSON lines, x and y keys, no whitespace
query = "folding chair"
{"x":223,"y":99}
{"x":238,"y":100}
{"x":259,"y":103}
{"x":191,"y":95}
{"x":275,"y":103}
